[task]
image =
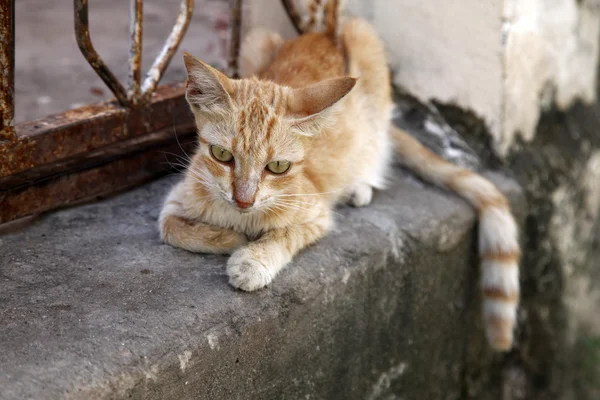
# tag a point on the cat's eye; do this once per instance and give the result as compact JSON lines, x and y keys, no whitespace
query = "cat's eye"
{"x":278,"y":167}
{"x":221,"y":154}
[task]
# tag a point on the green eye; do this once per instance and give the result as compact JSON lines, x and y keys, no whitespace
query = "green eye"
{"x":278,"y":167}
{"x":221,"y":154}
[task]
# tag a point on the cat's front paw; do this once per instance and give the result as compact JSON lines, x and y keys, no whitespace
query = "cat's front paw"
{"x":361,"y":196}
{"x":247,"y":273}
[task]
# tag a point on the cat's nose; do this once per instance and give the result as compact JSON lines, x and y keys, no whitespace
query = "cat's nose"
{"x":244,"y":192}
{"x":243,"y":204}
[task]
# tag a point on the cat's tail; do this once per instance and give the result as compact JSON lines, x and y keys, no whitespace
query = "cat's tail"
{"x":362,"y":48}
{"x":498,"y":236}
{"x":366,"y":59}
{"x":315,"y":15}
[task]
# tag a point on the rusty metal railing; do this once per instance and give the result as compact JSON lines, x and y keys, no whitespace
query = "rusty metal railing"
{"x":7,"y":70}
{"x":234,"y":44}
{"x":99,"y":148}
{"x":135,"y":94}
{"x":82,"y":34}
{"x":169,"y":49}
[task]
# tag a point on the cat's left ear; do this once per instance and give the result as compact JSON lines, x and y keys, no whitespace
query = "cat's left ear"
{"x":207,"y":90}
{"x":306,"y":103}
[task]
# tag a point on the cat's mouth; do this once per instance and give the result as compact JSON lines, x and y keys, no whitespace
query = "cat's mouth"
{"x":242,"y":210}
{"x":255,"y":208}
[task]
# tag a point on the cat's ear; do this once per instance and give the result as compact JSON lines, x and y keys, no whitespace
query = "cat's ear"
{"x":308,"y":102}
{"x":207,"y":89}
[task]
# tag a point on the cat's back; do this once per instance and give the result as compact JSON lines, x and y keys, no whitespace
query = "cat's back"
{"x":307,"y":59}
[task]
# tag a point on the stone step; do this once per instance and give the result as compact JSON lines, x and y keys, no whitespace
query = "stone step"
{"x":94,"y":306}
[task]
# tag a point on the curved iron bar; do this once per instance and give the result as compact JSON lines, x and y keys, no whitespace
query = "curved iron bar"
{"x":166,"y":54}
{"x":292,"y":13}
{"x":135,"y":49}
{"x":234,"y":38}
{"x":82,"y":34}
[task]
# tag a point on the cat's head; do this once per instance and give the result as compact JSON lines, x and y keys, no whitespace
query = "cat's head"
{"x":254,"y":134}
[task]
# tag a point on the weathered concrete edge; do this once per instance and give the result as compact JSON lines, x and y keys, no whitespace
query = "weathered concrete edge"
{"x":205,"y":366}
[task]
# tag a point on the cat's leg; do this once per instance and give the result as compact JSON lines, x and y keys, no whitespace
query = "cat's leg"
{"x":254,"y":266}
{"x":257,"y":51}
{"x":179,"y":230}
{"x":360,"y":195}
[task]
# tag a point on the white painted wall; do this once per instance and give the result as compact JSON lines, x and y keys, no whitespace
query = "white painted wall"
{"x":445,"y":50}
{"x":550,"y":55}
{"x":505,"y":60}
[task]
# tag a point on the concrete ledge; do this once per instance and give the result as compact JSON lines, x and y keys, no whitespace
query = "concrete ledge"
{"x":95,"y":307}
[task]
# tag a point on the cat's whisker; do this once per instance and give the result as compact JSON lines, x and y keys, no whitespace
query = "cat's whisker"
{"x":207,"y":185}
{"x":180,"y":160}
{"x":179,"y":156}
{"x":288,"y":209}
{"x":308,"y":205}
{"x":295,"y":201}
{"x":201,"y":176}
{"x":291,"y":207}
{"x":272,"y":208}
{"x":179,"y":143}
{"x":304,"y":206}
{"x":176,"y":164}
{"x":305,"y":194}
{"x":299,"y":206}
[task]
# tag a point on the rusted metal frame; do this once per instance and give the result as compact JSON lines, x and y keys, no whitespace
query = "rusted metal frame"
{"x":104,"y":179}
{"x":292,"y":13}
{"x":99,"y":149}
{"x":7,"y":70}
{"x":49,"y":140}
{"x":95,"y":157}
{"x":162,"y":61}
{"x":235,"y":24}
{"x":96,"y":150}
{"x":136,"y":18}
{"x":82,"y":34}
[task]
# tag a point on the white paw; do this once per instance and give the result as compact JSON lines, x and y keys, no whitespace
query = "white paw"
{"x":361,"y":196}
{"x":247,"y":273}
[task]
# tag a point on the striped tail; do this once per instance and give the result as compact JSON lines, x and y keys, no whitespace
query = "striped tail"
{"x":498,"y":235}
{"x":315,"y":15}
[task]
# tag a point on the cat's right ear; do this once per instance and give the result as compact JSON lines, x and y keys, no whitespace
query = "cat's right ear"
{"x":207,"y":90}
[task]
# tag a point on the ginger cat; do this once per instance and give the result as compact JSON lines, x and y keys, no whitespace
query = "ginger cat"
{"x":310,"y":127}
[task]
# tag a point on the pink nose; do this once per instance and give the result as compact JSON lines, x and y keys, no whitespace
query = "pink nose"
{"x":243,"y":204}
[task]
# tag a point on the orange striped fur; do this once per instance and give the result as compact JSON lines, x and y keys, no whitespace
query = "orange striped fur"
{"x":295,"y":104}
